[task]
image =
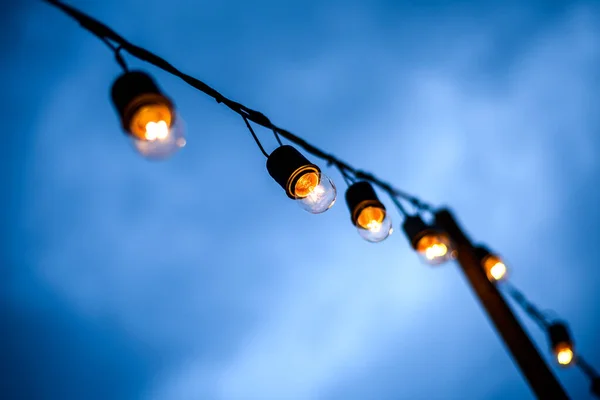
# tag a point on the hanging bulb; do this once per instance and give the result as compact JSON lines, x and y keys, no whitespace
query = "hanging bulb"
{"x":432,"y":244}
{"x":564,"y":354}
{"x":368,"y":213}
{"x":561,"y":343}
{"x":301,"y":180}
{"x":147,"y":116}
{"x":492,"y":264}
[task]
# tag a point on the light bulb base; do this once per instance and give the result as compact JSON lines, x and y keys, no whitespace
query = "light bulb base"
{"x":286,"y":165}
{"x":482,"y":252}
{"x":559,"y":333}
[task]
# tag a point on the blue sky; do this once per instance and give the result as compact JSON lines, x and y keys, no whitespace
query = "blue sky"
{"x":198,"y":278}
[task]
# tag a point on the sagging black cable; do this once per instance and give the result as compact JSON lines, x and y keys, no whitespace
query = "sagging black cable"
{"x":260,"y":146}
{"x":105,"y":33}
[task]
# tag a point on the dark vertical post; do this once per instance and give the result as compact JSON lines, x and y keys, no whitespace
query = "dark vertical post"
{"x":541,"y":380}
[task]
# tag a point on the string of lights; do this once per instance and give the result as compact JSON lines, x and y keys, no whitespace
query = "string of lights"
{"x":150,"y":119}
{"x":109,"y":36}
{"x":561,"y":342}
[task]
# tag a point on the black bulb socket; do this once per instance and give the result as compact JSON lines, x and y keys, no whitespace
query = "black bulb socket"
{"x":286,"y":165}
{"x":559,"y":334}
{"x":359,"y":196}
{"x":415,"y":228}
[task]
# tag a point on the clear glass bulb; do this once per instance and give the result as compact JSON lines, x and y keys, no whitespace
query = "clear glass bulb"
{"x":315,"y":193}
{"x":374,"y":224}
{"x":435,"y":248}
{"x":157,"y":132}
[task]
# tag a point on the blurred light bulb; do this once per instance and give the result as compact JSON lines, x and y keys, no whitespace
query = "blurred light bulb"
{"x":315,"y":194}
{"x":431,"y":244}
{"x":564,"y":354}
{"x":494,"y":268}
{"x":498,"y":271}
{"x":374,"y":224}
{"x":561,"y":343}
{"x":147,"y":115}
{"x":151,"y":121}
{"x":435,"y":248}
{"x":367,"y":213}
{"x":157,"y":132}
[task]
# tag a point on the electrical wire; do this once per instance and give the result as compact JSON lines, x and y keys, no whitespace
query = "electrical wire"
{"x":262,"y":149}
{"x":117,"y":51}
{"x":530,"y":309}
{"x":587,"y":368}
{"x":347,"y":178}
{"x":543,"y":321}
{"x":399,"y":205}
{"x":277,"y":137}
{"x":120,"y":59}
{"x":106,"y":34}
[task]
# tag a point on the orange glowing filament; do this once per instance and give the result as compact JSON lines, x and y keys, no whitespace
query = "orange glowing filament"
{"x":152,"y":122}
{"x":306,"y":184}
{"x":432,"y":246}
{"x":371,"y":218}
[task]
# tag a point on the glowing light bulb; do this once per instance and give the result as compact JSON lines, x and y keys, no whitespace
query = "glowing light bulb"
{"x":302,"y":180}
{"x":367,"y":213}
{"x":494,"y":267}
{"x":561,"y":343}
{"x":564,"y":354}
{"x":498,"y":271}
{"x":374,"y":224}
{"x":436,"y":250}
{"x":435,"y":247}
{"x":314,"y":193}
{"x":151,"y":121}
{"x":147,"y":115}
{"x":156,"y":131}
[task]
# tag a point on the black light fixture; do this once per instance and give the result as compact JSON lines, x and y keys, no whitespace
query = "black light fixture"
{"x":302,"y":180}
{"x":561,"y":343}
{"x":147,"y":115}
{"x":368,"y":214}
{"x":431,"y":243}
{"x":491,"y":263}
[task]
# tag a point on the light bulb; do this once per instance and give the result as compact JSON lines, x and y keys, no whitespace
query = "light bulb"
{"x":314,"y":192}
{"x":367,"y":213}
{"x":432,"y":244}
{"x":156,"y":132}
{"x":147,"y":115}
{"x":492,"y":264}
{"x":564,"y":354}
{"x":374,"y":224}
{"x":561,"y":343}
{"x":302,"y":180}
{"x":494,"y":268}
{"x":434,"y":248}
